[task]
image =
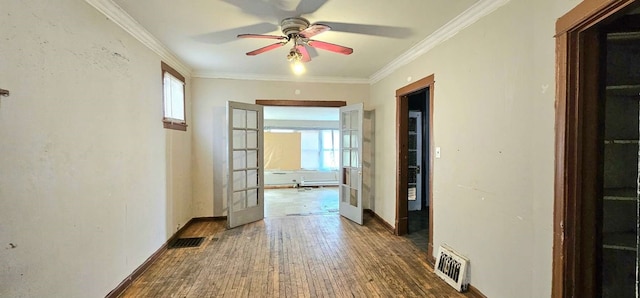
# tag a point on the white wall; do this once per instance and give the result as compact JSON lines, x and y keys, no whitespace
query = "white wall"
{"x":90,"y":183}
{"x":494,"y":122}
{"x":209,"y":114}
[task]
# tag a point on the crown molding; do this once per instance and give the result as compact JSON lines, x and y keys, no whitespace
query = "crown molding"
{"x":116,"y":14}
{"x":462,"y":21}
{"x":262,"y":77}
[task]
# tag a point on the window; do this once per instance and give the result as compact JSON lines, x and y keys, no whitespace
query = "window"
{"x":330,"y":149}
{"x":320,"y":149}
{"x":309,"y":145}
{"x":173,"y":97}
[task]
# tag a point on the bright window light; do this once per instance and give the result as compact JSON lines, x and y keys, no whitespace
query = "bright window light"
{"x":173,"y":98}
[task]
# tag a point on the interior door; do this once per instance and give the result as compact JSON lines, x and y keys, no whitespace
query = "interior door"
{"x":245,"y":180}
{"x":351,"y":162}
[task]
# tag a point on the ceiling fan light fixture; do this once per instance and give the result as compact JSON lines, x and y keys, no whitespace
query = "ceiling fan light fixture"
{"x":294,"y":55}
{"x":298,"y":67}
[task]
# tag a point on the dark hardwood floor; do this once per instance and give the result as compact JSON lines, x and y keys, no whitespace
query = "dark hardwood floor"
{"x":293,"y":256}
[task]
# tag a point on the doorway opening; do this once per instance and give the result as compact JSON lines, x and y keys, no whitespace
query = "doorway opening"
{"x":245,"y":162}
{"x":414,"y":195}
{"x":301,"y":176}
{"x":596,"y":195}
{"x":417,"y":158}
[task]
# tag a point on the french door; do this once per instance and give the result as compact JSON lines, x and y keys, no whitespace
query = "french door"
{"x":350,"y":193}
{"x":245,"y":180}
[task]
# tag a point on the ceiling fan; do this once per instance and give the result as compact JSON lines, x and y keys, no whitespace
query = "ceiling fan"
{"x":299,"y":31}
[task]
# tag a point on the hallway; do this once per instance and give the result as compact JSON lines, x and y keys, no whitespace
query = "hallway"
{"x":292,"y":256}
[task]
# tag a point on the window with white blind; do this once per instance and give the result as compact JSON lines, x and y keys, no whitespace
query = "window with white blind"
{"x":173,"y":97}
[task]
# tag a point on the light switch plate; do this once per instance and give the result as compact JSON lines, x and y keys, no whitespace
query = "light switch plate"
{"x":437,"y":152}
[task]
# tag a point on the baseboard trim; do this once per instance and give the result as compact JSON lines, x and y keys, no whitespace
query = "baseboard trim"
{"x":136,"y":273}
{"x":377,"y":217}
{"x":278,"y":186}
{"x":152,"y":259}
{"x":201,"y":219}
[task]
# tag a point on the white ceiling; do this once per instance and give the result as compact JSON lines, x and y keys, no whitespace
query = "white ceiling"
{"x":202,"y":34}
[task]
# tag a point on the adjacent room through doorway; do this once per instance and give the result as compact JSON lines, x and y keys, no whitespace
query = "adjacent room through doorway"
{"x":301,"y":160}
{"x":321,"y":200}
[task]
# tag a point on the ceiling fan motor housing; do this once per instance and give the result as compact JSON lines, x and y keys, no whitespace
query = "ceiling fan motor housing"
{"x":293,"y":26}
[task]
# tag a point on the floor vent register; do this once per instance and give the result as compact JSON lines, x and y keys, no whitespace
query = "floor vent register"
{"x":186,"y":242}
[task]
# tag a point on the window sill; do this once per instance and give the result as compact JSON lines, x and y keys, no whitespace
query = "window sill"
{"x":174,"y":125}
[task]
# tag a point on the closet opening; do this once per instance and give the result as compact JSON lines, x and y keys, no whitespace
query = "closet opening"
{"x":596,"y":195}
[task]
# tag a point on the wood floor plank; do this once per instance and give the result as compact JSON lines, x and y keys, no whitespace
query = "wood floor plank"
{"x":292,"y":256}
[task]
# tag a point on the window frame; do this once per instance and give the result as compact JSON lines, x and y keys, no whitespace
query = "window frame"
{"x":171,"y":123}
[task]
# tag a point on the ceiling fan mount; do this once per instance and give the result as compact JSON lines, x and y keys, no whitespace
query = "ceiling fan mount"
{"x":293,"y":26}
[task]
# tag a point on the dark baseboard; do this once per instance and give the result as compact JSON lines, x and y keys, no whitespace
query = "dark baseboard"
{"x":136,"y":273}
{"x":377,"y":217}
{"x":209,"y":218}
{"x":154,"y":257}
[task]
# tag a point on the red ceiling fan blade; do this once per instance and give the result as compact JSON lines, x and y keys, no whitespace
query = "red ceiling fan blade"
{"x":330,"y":47}
{"x":267,"y":48}
{"x":314,"y":30}
{"x":304,"y":52}
{"x":262,"y":36}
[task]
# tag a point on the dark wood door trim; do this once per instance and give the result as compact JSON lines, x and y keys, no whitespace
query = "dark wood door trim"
{"x":576,"y":154}
{"x":402,"y":151}
{"x":587,"y":14}
{"x":301,"y":103}
{"x":402,"y":139}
